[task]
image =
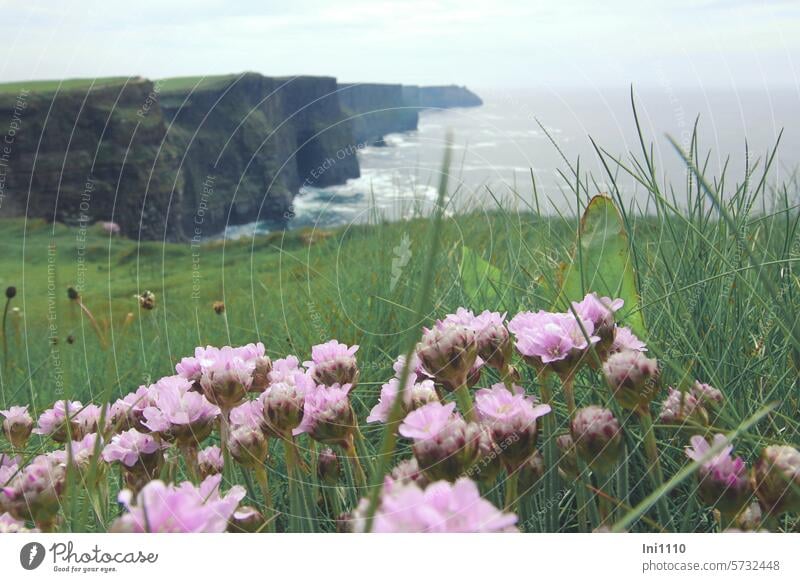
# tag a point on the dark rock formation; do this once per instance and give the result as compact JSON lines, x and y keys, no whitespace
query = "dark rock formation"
{"x":181,"y":158}
{"x":440,"y":97}
{"x":377,"y":110}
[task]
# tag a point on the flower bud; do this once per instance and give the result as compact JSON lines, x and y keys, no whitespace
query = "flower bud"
{"x":333,"y":363}
{"x":17,"y":425}
{"x":408,"y":472}
{"x":328,"y":416}
{"x":246,"y":519}
{"x":248,"y":446}
{"x":493,"y":340}
{"x":488,"y":462}
{"x":210,"y":461}
{"x":597,"y":437}
{"x":261,"y":374}
{"x":682,"y":408}
{"x":283,"y":407}
{"x":11,"y":292}
{"x":448,"y":353}
{"x":328,"y":467}
{"x":776,"y":479}
{"x":633,"y":378}
{"x":147,"y":300}
{"x":450,"y":453}
{"x":721,"y":479}
{"x":708,"y":396}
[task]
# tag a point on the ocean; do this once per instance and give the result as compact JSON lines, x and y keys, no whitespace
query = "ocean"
{"x":500,"y":148}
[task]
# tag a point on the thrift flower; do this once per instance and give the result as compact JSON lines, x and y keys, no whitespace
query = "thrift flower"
{"x":445,"y":446}
{"x":681,"y":408}
{"x":624,"y":339}
{"x":707,"y":395}
{"x":136,"y":451}
{"x":210,"y":461}
{"x":597,"y":436}
{"x":414,"y":396}
{"x":53,"y":422}
{"x":283,"y":403}
{"x":552,"y":341}
{"x":441,"y":507}
{"x":633,"y":379}
{"x":161,"y":508}
{"x":776,"y":479}
{"x":333,"y":363}
{"x":448,"y":353}
{"x":17,"y":425}
{"x":328,"y":416}
{"x":722,"y":479}
{"x":128,"y":411}
{"x":227,"y":377}
{"x":179,"y":414}
{"x":511,"y":418}
{"x":34,"y":493}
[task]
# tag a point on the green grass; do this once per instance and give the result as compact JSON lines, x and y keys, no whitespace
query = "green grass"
{"x":719,"y":296}
{"x":51,"y":86}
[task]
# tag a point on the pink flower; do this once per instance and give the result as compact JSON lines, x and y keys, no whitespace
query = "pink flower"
{"x":333,"y":363}
{"x":555,"y":338}
{"x":283,"y":403}
{"x":624,"y":339}
{"x":707,"y":394}
{"x":89,"y":418}
{"x":226,"y":378}
{"x":511,"y":419}
{"x":129,"y":447}
{"x":415,"y":396}
{"x":179,"y":413}
{"x":249,"y":413}
{"x":722,"y":467}
{"x":10,"y":525}
{"x":52,"y":422}
{"x":83,"y":450}
{"x":441,"y":507}
{"x":328,"y":416}
{"x":681,"y":407}
{"x":286,"y":370}
{"x":722,"y":479}
{"x":191,"y":367}
{"x":210,"y":461}
{"x":161,"y":508}
{"x":598,"y":310}
{"x":415,"y":368}
{"x":128,"y":411}
{"x":34,"y":492}
{"x":17,"y":425}
{"x":448,"y":353}
{"x":427,"y":421}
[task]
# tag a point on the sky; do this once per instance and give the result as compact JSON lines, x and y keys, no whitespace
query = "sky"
{"x":486,"y":44}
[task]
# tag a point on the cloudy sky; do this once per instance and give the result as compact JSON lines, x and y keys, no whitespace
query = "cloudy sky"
{"x":490,"y":43}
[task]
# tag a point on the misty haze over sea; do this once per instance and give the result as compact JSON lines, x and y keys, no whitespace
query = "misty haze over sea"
{"x":498,"y":144}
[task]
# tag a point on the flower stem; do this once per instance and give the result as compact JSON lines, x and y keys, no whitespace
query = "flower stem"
{"x":262,"y":478}
{"x":464,"y":400}
{"x":568,"y":384}
{"x":512,"y":485}
{"x":224,"y":429}
{"x":5,"y":339}
{"x":352,"y":455}
{"x":653,"y":463}
{"x":550,"y":461}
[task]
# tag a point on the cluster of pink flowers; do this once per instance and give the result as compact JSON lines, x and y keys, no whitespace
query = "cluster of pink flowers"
{"x":441,"y":507}
{"x":456,"y":434}
{"x":184,"y":508}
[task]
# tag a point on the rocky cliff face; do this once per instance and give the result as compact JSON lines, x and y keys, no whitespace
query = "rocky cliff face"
{"x":94,"y":154}
{"x":377,"y":110}
{"x":182,"y":158}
